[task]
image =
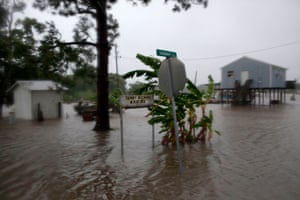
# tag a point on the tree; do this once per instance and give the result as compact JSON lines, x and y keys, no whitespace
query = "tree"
{"x":3,"y":13}
{"x":136,"y":88}
{"x":116,"y":82}
{"x":7,"y":11}
{"x":23,"y":56}
{"x":105,"y":33}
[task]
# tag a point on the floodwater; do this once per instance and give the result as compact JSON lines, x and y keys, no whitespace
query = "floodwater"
{"x":256,"y":157}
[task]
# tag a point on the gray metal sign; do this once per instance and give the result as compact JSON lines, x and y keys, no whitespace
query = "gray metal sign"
{"x":177,"y":76}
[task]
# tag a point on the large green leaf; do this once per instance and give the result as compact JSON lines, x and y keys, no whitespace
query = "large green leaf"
{"x":186,"y":102}
{"x":154,"y":63}
{"x":138,"y":73}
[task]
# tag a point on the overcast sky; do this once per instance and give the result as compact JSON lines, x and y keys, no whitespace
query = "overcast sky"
{"x":206,"y":39}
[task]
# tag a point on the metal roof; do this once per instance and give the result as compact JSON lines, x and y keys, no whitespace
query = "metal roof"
{"x":255,"y":60}
{"x":38,"y":85}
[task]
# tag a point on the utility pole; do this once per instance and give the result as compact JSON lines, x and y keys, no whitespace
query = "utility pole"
{"x":195,"y":80}
{"x":117,"y":67}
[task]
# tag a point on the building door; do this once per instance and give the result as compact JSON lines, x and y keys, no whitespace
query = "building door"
{"x":59,"y":107}
{"x":244,"y":77}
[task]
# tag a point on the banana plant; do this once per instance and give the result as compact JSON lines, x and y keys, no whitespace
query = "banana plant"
{"x":149,"y":75}
{"x":198,"y":98}
{"x":186,"y":106}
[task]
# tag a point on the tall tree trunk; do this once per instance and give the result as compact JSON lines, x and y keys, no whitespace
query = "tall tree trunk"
{"x":1,"y":105}
{"x":102,"y":118}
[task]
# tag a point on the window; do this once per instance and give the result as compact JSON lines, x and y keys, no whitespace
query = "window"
{"x":230,"y":73}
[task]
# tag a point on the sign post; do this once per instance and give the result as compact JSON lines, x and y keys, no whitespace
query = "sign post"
{"x":134,"y":101}
{"x":172,"y":79}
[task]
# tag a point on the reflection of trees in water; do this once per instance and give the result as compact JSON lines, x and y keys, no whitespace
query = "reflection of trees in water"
{"x":54,"y":160}
{"x":163,"y":180}
{"x":95,"y":180}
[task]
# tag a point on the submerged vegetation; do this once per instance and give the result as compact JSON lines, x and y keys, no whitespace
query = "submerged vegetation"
{"x":192,"y":128}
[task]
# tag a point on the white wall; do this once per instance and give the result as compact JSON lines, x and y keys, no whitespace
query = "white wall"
{"x":22,"y":99}
{"x":48,"y":103}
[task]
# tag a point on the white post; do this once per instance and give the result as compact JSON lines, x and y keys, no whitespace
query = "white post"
{"x":121,"y":125}
{"x":153,"y":131}
{"x":120,"y":106}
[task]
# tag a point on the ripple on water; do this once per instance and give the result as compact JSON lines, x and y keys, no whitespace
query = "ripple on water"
{"x":257,"y":157}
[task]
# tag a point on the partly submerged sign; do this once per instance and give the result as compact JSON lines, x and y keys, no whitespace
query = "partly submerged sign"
{"x":136,"y":101}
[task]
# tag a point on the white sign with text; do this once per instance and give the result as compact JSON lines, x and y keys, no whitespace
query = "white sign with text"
{"x":136,"y":101}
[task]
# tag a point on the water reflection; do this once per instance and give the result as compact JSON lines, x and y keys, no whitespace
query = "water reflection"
{"x":257,"y":157}
{"x":54,"y":160}
{"x":164,"y":182}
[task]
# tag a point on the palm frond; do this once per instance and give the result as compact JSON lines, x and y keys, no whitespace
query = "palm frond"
{"x":139,"y":73}
{"x":154,"y":63}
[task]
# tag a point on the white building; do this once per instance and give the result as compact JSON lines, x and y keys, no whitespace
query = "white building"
{"x":32,"y":96}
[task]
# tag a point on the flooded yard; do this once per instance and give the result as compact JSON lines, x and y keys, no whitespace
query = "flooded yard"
{"x":256,"y":157}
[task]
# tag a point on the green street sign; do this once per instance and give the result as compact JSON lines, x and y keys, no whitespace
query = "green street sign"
{"x":165,"y":53}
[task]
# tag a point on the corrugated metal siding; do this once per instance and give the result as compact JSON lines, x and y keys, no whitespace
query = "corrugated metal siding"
{"x":278,"y":77}
{"x":259,"y":73}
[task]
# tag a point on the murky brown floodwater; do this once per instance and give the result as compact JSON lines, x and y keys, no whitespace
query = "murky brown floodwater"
{"x":257,"y":157}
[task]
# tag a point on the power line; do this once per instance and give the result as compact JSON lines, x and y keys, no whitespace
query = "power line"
{"x":234,"y":54}
{"x":245,"y":52}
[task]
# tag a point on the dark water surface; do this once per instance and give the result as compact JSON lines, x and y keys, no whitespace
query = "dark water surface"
{"x":257,"y":157}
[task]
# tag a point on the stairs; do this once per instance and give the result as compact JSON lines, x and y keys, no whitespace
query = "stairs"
{"x":242,"y":93}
